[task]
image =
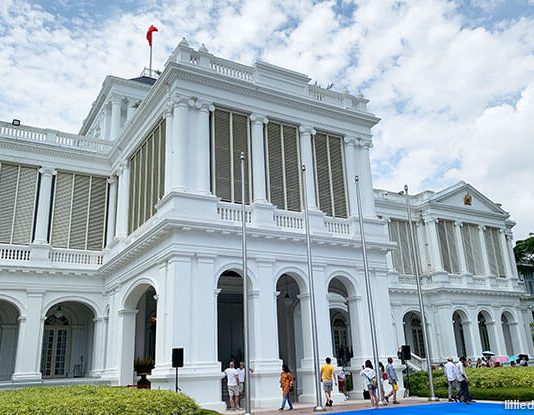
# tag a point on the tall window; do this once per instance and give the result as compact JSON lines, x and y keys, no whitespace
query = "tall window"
{"x":493,"y":247}
{"x":283,"y":166}
{"x":399,"y":232}
{"x":18,"y":192}
{"x":472,"y":249}
{"x":329,"y":174}
{"x":448,"y":247}
{"x":230,"y":137}
{"x":55,"y":352}
{"x":483,"y":331}
{"x":79,"y":211}
{"x":147,"y":177}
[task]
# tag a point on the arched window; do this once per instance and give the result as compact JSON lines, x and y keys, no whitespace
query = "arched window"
{"x":56,"y":345}
{"x":483,"y":331}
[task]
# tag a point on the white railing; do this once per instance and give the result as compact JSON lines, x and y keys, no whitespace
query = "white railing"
{"x":502,"y":282}
{"x":456,"y":279}
{"x":232,"y":69}
{"x":338,"y":226}
{"x":233,"y":212}
{"x":71,"y":256}
{"x":14,"y":253}
{"x":289,"y":220}
{"x":53,"y":137}
{"x":325,"y":95}
{"x":417,"y":363}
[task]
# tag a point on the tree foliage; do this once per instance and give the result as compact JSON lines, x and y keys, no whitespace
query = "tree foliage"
{"x":524,"y":251}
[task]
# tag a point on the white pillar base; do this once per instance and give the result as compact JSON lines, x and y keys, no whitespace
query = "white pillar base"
{"x":27,"y":377}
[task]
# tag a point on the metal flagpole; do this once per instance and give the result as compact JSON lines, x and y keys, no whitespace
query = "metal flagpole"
{"x":245,"y":286}
{"x":315,"y":345}
{"x":370,"y":307}
{"x":150,"y":63}
{"x":420,"y":297}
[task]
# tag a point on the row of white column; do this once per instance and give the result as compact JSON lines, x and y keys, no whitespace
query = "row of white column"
{"x":111,"y":119}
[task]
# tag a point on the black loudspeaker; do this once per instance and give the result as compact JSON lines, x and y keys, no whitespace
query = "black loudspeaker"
{"x":178,"y":357}
{"x":405,"y":353}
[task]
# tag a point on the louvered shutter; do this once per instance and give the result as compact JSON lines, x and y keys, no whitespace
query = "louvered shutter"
{"x":161,"y":160}
{"x":131,"y":195}
{"x":322,"y":173}
{"x":468,"y":249}
{"x":8,"y":190}
{"x":442,"y":236}
{"x":498,"y":253}
{"x":275,"y":165}
{"x":62,"y":210}
{"x":394,"y":236}
{"x":80,"y":211}
{"x":150,"y":176}
{"x":453,"y":249}
{"x":97,"y":214}
{"x":292,"y":168}
{"x":338,"y":178}
{"x":405,"y":251}
{"x":491,"y":251}
{"x":25,"y":207}
{"x":222,"y":155}
{"x":143,"y":183}
{"x":240,"y":144}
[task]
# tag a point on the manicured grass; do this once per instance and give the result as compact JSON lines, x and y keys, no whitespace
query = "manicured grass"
{"x":484,"y":383}
{"x":95,"y":400}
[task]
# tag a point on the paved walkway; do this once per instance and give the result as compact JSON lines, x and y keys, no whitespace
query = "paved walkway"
{"x":351,"y":405}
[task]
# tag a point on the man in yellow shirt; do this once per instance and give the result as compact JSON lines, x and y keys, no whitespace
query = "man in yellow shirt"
{"x":328,"y":378}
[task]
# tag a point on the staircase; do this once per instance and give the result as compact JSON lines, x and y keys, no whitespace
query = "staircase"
{"x":417,"y":363}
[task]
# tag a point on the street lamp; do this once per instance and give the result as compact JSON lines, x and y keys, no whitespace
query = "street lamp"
{"x":419,"y":295}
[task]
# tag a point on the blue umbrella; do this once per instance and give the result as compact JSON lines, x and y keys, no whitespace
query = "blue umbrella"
{"x":513,"y":358}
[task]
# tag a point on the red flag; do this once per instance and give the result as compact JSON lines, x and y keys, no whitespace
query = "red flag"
{"x":149,"y":32}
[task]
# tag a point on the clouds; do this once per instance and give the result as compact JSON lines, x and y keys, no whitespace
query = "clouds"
{"x":452,"y":81}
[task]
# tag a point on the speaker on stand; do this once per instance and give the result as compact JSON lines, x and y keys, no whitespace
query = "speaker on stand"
{"x":177,"y":361}
{"x":404,"y":355}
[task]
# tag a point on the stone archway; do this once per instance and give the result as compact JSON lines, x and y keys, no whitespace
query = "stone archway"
{"x":483,"y":320}
{"x":507,"y":323}
{"x":340,"y":322}
{"x":9,"y":331}
{"x":413,"y":333}
{"x":67,"y":348}
{"x":458,"y":322}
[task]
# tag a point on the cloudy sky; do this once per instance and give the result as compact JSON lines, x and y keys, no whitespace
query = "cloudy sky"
{"x":453,"y":81}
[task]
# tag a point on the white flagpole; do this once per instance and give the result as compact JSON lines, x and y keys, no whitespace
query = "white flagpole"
{"x":150,"y":64}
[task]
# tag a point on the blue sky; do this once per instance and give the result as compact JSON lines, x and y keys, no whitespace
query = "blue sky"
{"x":453,"y":81}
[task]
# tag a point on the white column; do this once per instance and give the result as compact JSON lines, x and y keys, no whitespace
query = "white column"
{"x":126,"y":345}
{"x":472,"y":347}
{"x":123,"y":201}
{"x":350,"y":168}
{"x":130,"y":110}
{"x":106,"y":121}
{"x":361,"y":345}
{"x":474,"y":333}
{"x":510,"y":252}
{"x":43,"y":206}
{"x":322,"y":306}
{"x":362,"y":168}
{"x":506,"y":257}
{"x":112,"y":209}
{"x":307,"y":159}
{"x":181,"y":273}
{"x":111,"y":366}
{"x":30,"y":340}
{"x":169,"y":149}
{"x":496,"y":336}
{"x":460,"y":244}
{"x":447,"y":340}
{"x":164,"y":319}
{"x":258,"y":158}
{"x":203,"y":148}
{"x":432,"y":239}
{"x":116,"y":102}
{"x":99,"y":346}
{"x":180,"y":153}
{"x":484,"y":250}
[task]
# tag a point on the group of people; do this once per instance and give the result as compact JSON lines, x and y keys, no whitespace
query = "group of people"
{"x":457,"y":379}
{"x":235,"y":381}
{"x":389,"y":379}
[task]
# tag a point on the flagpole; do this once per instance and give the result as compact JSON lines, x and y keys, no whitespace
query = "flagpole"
{"x":245,"y":286}
{"x":150,"y":64}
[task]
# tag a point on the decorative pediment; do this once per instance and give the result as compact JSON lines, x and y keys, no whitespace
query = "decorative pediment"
{"x":466,"y":196}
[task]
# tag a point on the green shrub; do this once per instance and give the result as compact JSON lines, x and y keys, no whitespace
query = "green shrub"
{"x":95,"y":400}
{"x":484,"y":383}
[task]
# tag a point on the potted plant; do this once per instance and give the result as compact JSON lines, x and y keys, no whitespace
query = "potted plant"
{"x":143,"y":367}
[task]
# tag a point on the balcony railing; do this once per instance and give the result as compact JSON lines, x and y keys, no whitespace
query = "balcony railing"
{"x":71,"y":256}
{"x":14,"y":253}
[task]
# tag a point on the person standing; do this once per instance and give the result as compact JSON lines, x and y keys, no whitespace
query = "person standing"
{"x":241,"y":375}
{"x":451,"y":373}
{"x":369,"y":375}
{"x":327,"y":377}
{"x":340,"y":375}
{"x":286,"y":383}
{"x":393,"y":381}
{"x":462,"y":378}
{"x":232,"y":381}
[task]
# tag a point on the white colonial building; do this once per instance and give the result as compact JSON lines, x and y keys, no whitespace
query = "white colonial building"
{"x":124,"y":241}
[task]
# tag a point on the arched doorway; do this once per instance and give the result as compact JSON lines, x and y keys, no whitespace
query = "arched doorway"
{"x":145,"y":326}
{"x":506,"y":321}
{"x":459,"y":333}
{"x":290,"y":339}
{"x":483,"y":319}
{"x":413,"y":333}
{"x":9,"y":331}
{"x":340,"y":322}
{"x":67,"y":341}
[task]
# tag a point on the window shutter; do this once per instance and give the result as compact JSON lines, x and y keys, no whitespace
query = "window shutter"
{"x":150,"y":176}
{"x":142,"y":183}
{"x":222,"y":155}
{"x":275,"y":165}
{"x":240,"y":144}
{"x":80,"y":211}
{"x":477,"y":249}
{"x":25,"y":208}
{"x":468,"y":249}
{"x":394,"y":236}
{"x":405,"y":251}
{"x":160,"y":156}
{"x":442,"y":236}
{"x":8,"y":192}
{"x":491,"y":251}
{"x":292,"y":168}
{"x":97,"y":214}
{"x":338,"y":179}
{"x":62,"y":210}
{"x":453,"y":250}
{"x":322,"y":176}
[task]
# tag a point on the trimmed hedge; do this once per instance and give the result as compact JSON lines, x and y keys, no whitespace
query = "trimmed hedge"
{"x":95,"y":400}
{"x":484,"y":383}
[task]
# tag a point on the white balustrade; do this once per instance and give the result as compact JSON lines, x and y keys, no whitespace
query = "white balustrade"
{"x":325,"y":95}
{"x":232,"y":69}
{"x":78,"y":257}
{"x":14,"y":253}
{"x":289,"y":220}
{"x":233,"y":212}
{"x":338,"y":226}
